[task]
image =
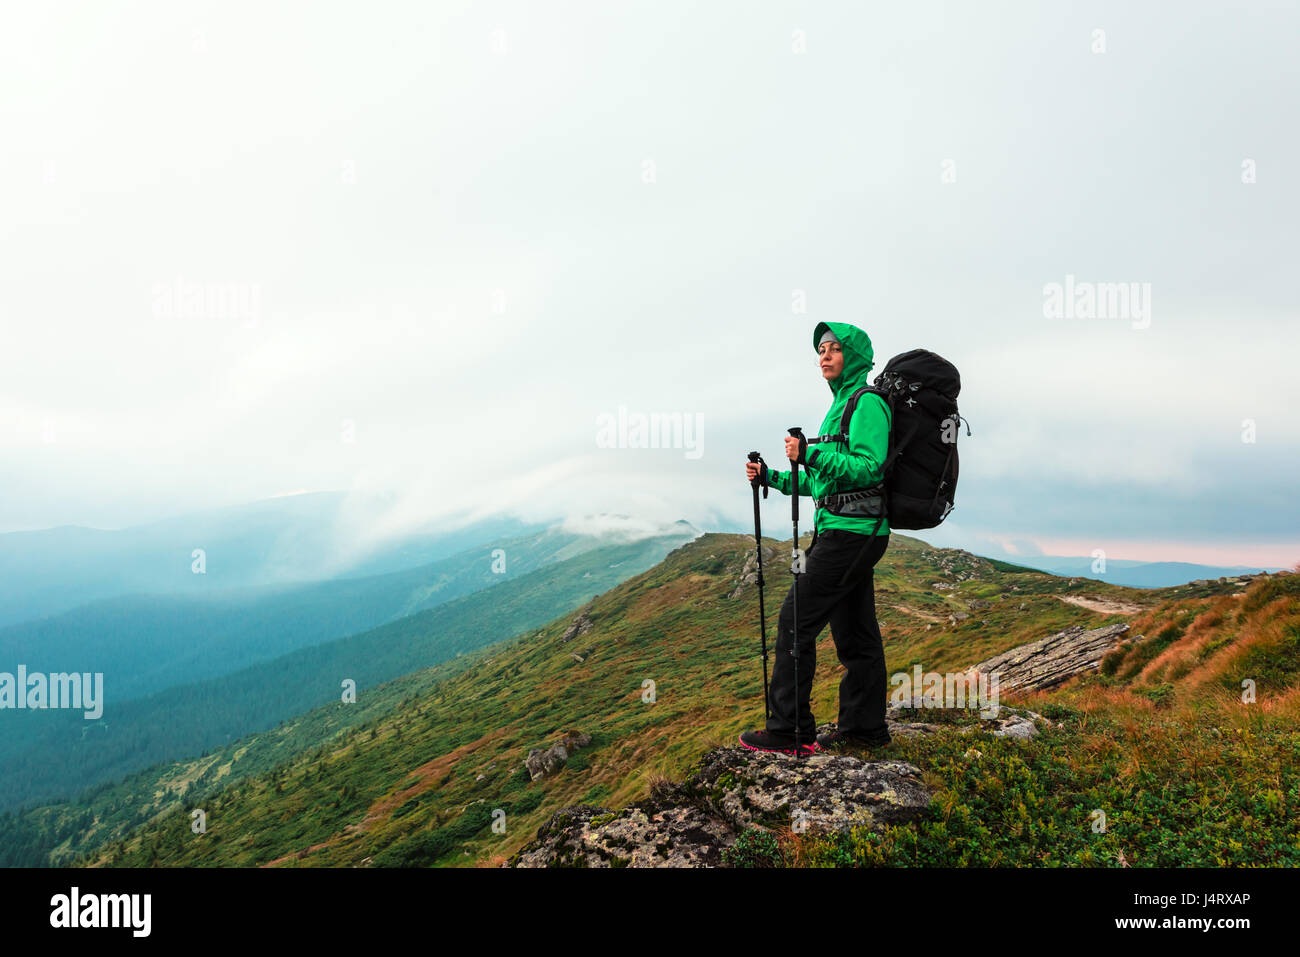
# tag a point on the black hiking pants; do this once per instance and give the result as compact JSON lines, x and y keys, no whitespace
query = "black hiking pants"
{"x":849,"y":606}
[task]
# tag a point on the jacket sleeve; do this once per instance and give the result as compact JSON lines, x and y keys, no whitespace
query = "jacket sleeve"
{"x":781,"y":481}
{"x":861,"y":466}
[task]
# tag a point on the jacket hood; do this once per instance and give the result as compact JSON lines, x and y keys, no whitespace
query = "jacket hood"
{"x":858,"y":355}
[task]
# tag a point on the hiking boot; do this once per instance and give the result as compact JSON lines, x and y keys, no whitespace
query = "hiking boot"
{"x":837,"y":739}
{"x":774,"y":742}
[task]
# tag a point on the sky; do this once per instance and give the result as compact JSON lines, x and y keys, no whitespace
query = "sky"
{"x":436,"y":251}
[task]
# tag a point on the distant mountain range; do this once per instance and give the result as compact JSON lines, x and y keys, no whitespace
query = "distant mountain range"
{"x":317,"y":536}
{"x":289,"y":539}
{"x":1126,"y":572}
{"x":1134,"y":574}
{"x":144,"y":643}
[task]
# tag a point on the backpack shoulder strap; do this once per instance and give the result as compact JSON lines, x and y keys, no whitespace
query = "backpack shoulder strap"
{"x":850,"y":406}
{"x":843,"y":434}
{"x":853,"y":404}
{"x":887,"y":397}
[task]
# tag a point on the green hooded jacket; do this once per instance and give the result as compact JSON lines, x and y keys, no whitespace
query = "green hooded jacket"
{"x":832,"y":468}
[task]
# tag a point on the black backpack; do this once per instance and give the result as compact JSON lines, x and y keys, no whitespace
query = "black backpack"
{"x":920,"y":472}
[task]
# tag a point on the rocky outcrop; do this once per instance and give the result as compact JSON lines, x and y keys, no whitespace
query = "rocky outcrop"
{"x":956,"y":564}
{"x":749,"y":571}
{"x":639,"y":836}
{"x":1051,"y":660}
{"x":690,"y":824}
{"x":579,"y":626}
{"x":540,"y":763}
{"x":827,"y":792}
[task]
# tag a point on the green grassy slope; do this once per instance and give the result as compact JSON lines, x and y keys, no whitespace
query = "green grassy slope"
{"x":146,"y":644}
{"x":191,"y":719}
{"x":1159,"y":739}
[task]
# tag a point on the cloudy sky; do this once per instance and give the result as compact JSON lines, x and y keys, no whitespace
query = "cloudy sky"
{"x":250,"y":249}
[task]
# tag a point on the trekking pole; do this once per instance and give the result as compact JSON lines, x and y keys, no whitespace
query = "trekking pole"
{"x":794,"y":595}
{"x":758,"y":541}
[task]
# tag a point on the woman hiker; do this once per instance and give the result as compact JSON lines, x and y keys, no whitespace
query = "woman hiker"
{"x":837,"y":586}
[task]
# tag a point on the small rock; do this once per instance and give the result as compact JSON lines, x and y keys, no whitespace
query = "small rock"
{"x":540,"y":763}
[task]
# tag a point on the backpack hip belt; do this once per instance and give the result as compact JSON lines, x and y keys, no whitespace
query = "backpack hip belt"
{"x":857,"y":503}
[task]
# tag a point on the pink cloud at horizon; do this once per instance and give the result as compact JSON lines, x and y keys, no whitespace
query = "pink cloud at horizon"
{"x":1145,"y":550}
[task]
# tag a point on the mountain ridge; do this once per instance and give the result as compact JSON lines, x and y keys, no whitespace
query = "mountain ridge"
{"x":418,"y":785}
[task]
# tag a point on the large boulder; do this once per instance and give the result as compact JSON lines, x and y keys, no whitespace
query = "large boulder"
{"x":690,"y":824}
{"x":829,"y":792}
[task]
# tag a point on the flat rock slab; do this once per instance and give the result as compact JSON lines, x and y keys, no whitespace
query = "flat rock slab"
{"x":1051,"y":660}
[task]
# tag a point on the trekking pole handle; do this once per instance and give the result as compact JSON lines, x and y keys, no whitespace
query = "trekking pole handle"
{"x":760,"y":479}
{"x":797,"y":432}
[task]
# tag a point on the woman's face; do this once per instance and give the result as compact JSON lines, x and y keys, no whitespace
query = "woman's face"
{"x":831,"y":358}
